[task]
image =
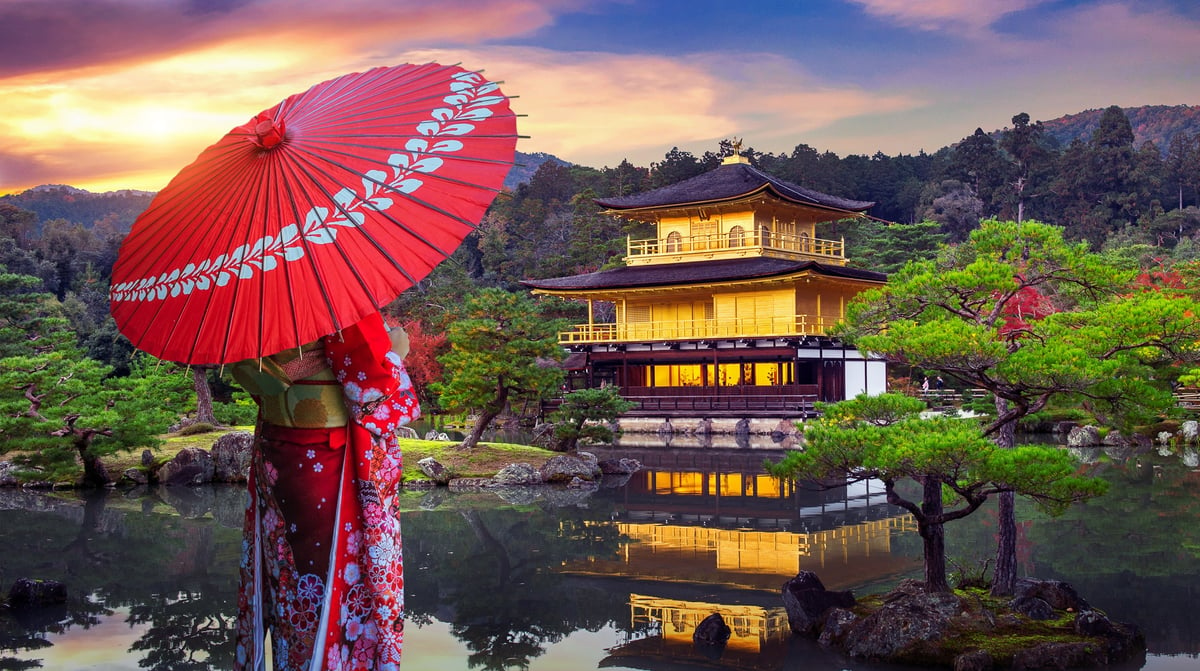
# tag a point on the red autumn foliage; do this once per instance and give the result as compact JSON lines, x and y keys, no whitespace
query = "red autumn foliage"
{"x":1027,"y":305}
{"x":1165,"y":279}
{"x":421,"y":362}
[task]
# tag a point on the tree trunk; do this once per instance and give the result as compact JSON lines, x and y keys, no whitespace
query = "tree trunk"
{"x":94,"y":472}
{"x":490,"y":412}
{"x":204,"y":399}
{"x":494,"y":548}
{"x":481,"y":425}
{"x":566,"y":444}
{"x":1004,"y":580}
{"x":933,"y":533}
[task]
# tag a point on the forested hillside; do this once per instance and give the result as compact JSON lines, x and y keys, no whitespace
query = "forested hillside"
{"x":1151,"y":123}
{"x":116,"y":209}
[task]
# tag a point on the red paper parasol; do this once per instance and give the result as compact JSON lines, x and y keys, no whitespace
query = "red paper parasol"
{"x":314,"y":214}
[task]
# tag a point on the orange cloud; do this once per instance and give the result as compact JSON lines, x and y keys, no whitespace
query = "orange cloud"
{"x":125,"y":109}
{"x":596,"y":108}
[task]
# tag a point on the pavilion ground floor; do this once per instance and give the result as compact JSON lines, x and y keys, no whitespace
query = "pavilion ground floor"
{"x":752,"y":379}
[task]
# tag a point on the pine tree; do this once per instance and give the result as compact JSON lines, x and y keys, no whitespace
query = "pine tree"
{"x":884,"y":438}
{"x":61,"y":412}
{"x":1019,"y":312}
{"x":502,"y":349}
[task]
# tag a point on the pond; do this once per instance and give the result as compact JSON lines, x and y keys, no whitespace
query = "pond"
{"x":562,"y":579}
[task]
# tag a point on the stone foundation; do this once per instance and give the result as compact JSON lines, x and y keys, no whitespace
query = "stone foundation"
{"x":759,"y":426}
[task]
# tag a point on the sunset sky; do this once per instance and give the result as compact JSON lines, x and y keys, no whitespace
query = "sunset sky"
{"x":110,"y":94}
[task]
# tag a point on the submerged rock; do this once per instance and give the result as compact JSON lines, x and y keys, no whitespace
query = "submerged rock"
{"x":26,"y":592}
{"x":1060,"y":656}
{"x":712,"y":630}
{"x":566,"y":467}
{"x":975,"y":660}
{"x":622,"y":466}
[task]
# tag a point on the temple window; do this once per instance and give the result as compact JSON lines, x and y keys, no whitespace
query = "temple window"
{"x":674,"y":242}
{"x":737,"y":236}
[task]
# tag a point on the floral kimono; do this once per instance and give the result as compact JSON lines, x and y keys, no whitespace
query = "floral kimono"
{"x":321,"y":562}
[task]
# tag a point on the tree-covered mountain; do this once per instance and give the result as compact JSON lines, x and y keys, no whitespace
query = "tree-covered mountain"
{"x":525,"y":165}
{"x":117,"y":209}
{"x":1137,"y":203}
{"x":1150,"y":123}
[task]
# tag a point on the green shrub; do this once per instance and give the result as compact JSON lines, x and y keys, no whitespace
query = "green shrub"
{"x":198,"y":427}
{"x":243,"y":411}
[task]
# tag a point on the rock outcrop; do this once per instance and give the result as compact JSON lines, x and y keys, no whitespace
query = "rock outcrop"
{"x":563,"y":468}
{"x":191,"y":466}
{"x":911,"y":626}
{"x":231,"y":456}
{"x":909,"y":619}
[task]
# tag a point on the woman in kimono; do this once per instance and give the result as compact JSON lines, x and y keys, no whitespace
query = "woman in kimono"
{"x":321,"y":562}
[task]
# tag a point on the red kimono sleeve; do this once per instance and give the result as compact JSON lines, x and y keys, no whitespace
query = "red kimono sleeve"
{"x":377,"y":389}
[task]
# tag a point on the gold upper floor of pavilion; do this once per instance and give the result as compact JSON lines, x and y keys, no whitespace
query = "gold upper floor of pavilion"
{"x":734,"y":243}
{"x":735,"y":255}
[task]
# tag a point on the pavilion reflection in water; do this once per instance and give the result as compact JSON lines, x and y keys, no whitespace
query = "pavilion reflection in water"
{"x":742,"y":534}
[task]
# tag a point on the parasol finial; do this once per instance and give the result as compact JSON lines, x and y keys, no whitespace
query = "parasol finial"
{"x":267,"y":132}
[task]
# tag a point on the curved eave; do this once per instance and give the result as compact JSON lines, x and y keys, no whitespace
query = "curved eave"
{"x":748,"y":195}
{"x":786,"y":277}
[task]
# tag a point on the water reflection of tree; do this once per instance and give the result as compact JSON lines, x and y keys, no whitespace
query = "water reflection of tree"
{"x":190,"y":632}
{"x":55,"y":551}
{"x":494,"y":576}
{"x":1133,"y":551}
{"x":111,"y":555}
{"x":189,"y":602}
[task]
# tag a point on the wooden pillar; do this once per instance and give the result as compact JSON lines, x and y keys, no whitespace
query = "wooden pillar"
{"x":820,"y":323}
{"x":716,"y":371}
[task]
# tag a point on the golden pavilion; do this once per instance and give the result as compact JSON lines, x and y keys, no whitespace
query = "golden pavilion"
{"x":725,"y":312}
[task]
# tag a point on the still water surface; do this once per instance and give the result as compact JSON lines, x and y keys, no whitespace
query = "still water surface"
{"x":565,"y":580}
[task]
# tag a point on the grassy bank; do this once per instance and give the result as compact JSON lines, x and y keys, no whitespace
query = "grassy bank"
{"x":482,"y":462}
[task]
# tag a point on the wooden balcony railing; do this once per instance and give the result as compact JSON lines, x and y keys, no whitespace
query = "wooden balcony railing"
{"x":695,"y":244}
{"x":697,"y":329}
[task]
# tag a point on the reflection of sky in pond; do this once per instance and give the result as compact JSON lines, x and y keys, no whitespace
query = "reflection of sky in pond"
{"x":432,"y":647}
{"x":104,"y":647}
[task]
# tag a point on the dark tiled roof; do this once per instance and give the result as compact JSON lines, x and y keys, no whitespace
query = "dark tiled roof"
{"x":696,"y":272}
{"x":729,"y":182}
